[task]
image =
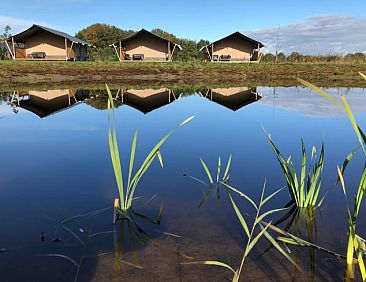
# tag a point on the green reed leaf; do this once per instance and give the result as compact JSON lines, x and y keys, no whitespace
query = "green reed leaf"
{"x":207,"y":171}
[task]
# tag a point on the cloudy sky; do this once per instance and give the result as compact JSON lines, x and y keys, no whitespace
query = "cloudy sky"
{"x":308,"y":26}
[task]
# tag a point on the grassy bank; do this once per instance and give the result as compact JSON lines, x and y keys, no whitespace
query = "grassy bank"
{"x":15,"y":74}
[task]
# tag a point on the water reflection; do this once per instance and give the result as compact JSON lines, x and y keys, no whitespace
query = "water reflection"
{"x":146,"y":100}
{"x":233,"y":98}
{"x":306,"y":101}
{"x":45,"y":103}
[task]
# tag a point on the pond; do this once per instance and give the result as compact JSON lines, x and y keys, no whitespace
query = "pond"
{"x":58,"y":187}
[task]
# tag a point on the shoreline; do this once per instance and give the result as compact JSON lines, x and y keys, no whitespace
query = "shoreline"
{"x":17,"y":75}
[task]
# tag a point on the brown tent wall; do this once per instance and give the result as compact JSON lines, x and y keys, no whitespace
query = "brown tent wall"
{"x":236,"y":48}
{"x":152,"y":47}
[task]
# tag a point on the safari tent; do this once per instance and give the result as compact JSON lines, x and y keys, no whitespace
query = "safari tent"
{"x":39,"y":43}
{"x":145,"y":46}
{"x":233,"y":98}
{"x":235,"y":47}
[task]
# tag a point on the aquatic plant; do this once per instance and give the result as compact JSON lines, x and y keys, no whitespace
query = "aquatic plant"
{"x":304,"y":190}
{"x":127,"y":190}
{"x":355,"y":243}
{"x":253,"y":234}
{"x":258,"y":229}
{"x":214,"y":183}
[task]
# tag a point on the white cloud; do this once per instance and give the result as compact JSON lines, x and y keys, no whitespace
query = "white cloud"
{"x":17,"y":25}
{"x":309,"y":103}
{"x":317,"y":35}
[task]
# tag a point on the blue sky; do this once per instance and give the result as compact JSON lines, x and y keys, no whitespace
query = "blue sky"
{"x":188,"y":19}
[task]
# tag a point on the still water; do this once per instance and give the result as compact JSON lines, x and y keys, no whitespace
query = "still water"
{"x":57,"y":184}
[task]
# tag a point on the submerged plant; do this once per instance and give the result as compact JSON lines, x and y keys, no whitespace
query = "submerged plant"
{"x":304,"y":190}
{"x":253,"y":234}
{"x":214,"y":183}
{"x":127,"y":190}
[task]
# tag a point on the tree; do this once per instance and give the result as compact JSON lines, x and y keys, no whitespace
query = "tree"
{"x":166,"y":35}
{"x":269,"y":58}
{"x":3,"y":48}
{"x":294,"y":57}
{"x":101,"y":36}
{"x":281,"y":57}
{"x":189,"y":52}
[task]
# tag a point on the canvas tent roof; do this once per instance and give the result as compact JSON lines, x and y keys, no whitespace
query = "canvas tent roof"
{"x":35,"y":29}
{"x":254,"y":42}
{"x":142,"y":31}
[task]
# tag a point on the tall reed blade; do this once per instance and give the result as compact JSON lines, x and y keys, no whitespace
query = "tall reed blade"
{"x":126,"y":194}
{"x":305,"y":190}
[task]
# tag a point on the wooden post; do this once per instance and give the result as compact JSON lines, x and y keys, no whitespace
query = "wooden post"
{"x":68,"y":55}
{"x":118,"y":55}
{"x":169,"y":54}
{"x":212,"y":52}
{"x":209,"y":55}
{"x":10,"y":51}
{"x":66,"y":48}
{"x":14,"y":52}
{"x":120,"y":48}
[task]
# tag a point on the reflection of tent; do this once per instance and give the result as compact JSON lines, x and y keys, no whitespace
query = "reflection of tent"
{"x":232,"y":98}
{"x":45,"y":103}
{"x":147,"y":100}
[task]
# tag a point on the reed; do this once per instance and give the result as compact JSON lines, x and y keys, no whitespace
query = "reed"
{"x":305,"y":188}
{"x":355,"y":243}
{"x":257,"y":230}
{"x":127,"y":190}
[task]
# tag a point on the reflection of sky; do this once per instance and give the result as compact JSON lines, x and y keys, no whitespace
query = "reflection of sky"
{"x":5,"y":109}
{"x":308,"y":102}
{"x":60,"y":165}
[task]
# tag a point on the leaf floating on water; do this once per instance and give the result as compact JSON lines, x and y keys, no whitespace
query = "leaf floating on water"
{"x":57,"y":240}
{"x":81,"y":230}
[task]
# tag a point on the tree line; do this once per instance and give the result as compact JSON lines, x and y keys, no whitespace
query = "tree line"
{"x":102,"y":35}
{"x":296,"y":57}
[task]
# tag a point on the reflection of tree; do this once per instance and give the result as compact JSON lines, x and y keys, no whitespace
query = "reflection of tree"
{"x":100,"y":102}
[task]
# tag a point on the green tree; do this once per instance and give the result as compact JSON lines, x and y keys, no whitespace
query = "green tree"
{"x":101,"y":36}
{"x":3,"y":48}
{"x":269,"y":58}
{"x":189,"y":52}
{"x":166,"y":35}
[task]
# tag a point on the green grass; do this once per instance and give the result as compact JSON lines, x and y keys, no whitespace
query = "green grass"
{"x":127,"y":190}
{"x":304,"y":188}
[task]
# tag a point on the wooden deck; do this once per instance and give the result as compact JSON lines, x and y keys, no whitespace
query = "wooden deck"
{"x":46,"y":59}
